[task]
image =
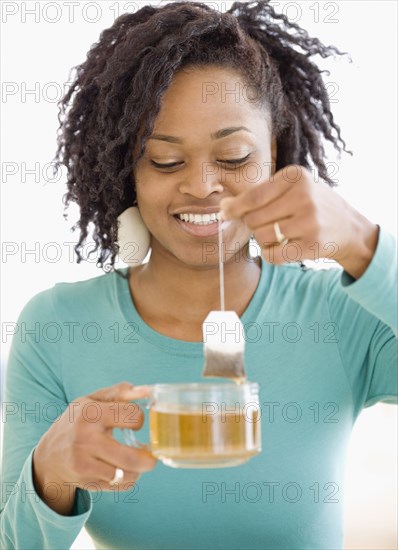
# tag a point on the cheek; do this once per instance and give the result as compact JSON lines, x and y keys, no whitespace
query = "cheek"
{"x":153,"y":200}
{"x":258,"y":170}
{"x":148,"y":190}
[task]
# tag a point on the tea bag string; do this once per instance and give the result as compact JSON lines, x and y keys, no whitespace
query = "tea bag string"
{"x":221,"y":266}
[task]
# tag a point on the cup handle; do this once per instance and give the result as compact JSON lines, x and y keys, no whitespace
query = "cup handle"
{"x":129,"y":435}
{"x":131,"y":440}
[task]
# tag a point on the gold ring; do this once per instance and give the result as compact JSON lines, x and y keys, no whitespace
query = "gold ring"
{"x":280,"y":237}
{"x":118,"y":477}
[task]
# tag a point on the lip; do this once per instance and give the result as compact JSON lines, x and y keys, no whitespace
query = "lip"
{"x":209,"y":230}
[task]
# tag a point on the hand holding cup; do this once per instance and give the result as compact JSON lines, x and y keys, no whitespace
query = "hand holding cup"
{"x":79,"y":448}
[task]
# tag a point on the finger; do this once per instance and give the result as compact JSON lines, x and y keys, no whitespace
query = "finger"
{"x":93,"y":471}
{"x":121,"y":415}
{"x":255,"y":197}
{"x":291,"y":228}
{"x":278,"y":211}
{"x":124,"y":391}
{"x":265,"y":235}
{"x":304,"y":243}
{"x":292,"y":251}
{"x":128,"y":458}
{"x":125,"y":485}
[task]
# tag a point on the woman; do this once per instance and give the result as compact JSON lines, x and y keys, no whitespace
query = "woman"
{"x":150,"y":121}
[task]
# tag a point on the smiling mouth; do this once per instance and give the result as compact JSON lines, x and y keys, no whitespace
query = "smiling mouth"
{"x":199,"y":219}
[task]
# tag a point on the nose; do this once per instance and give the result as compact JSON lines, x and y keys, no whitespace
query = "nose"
{"x":202,"y":180}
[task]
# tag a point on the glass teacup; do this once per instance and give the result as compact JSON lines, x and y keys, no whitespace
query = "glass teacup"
{"x":203,"y":425}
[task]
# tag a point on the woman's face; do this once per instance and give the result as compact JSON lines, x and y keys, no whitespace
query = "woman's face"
{"x":199,"y":132}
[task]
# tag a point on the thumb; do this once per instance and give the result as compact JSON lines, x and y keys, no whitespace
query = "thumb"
{"x":124,"y":391}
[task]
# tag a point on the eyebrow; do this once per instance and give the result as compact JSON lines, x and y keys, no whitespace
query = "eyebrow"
{"x":217,"y":135}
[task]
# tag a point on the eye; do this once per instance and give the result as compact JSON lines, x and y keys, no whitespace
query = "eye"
{"x":235,"y":162}
{"x":232,"y":162}
{"x":157,"y":165}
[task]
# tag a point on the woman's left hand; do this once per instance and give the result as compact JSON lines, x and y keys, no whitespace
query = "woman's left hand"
{"x":318,"y":222}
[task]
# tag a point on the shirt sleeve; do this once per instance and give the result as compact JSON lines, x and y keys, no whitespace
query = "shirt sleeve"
{"x":366,"y":312}
{"x":34,"y":399}
{"x":376,"y":290}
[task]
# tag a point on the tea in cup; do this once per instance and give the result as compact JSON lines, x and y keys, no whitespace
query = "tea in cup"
{"x":203,"y":425}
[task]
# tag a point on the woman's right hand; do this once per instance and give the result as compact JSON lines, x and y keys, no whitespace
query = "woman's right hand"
{"x":79,"y":448}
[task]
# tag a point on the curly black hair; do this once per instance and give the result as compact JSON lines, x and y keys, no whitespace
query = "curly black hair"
{"x":116,"y":96}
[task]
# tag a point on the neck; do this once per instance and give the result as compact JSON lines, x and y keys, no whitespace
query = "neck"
{"x":172,"y":292}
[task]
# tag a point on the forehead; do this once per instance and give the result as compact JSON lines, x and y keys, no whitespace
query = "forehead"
{"x":208,"y":96}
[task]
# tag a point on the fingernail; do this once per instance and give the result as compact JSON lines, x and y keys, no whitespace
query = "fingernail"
{"x":141,"y":390}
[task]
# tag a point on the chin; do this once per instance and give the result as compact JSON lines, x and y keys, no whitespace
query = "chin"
{"x":199,"y":260}
{"x":205,"y":254}
{"x":207,"y":257}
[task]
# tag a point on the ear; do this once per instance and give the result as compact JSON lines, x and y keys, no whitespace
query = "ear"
{"x":274,"y":151}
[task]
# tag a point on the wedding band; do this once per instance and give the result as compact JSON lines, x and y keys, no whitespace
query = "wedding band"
{"x":118,"y":477}
{"x":280,"y":237}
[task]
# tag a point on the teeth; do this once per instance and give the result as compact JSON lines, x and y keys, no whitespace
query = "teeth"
{"x":199,"y":219}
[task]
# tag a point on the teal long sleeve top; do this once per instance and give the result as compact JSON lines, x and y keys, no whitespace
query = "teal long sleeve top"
{"x":321,"y":345}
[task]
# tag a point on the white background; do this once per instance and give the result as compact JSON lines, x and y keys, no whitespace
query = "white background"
{"x":41,"y":41}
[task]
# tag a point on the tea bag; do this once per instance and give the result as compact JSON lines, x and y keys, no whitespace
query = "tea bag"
{"x":223,"y":336}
